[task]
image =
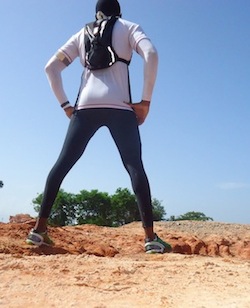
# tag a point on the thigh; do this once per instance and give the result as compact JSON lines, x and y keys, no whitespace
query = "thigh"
{"x":124,"y":130}
{"x":81,"y":128}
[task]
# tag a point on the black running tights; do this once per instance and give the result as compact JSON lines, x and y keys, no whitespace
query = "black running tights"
{"x":123,"y":127}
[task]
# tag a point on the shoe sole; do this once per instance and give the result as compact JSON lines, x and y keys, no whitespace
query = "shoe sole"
{"x":153,"y":252}
{"x":29,"y":242}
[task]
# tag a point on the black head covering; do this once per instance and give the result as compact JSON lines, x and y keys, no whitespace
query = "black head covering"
{"x":108,"y":7}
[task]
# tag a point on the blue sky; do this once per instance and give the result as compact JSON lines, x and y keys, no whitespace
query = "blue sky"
{"x":196,"y":139}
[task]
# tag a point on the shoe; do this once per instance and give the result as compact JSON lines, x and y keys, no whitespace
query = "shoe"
{"x":38,"y":239}
{"x":157,"y":245}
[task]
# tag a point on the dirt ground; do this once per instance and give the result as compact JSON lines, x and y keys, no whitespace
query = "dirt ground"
{"x":102,"y":267}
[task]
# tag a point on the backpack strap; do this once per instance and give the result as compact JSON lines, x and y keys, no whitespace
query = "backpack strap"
{"x":129,"y":88}
{"x":123,"y":60}
{"x":90,"y":35}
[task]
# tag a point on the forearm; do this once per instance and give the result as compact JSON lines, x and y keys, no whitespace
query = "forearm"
{"x":53,"y":71}
{"x":150,"y":56}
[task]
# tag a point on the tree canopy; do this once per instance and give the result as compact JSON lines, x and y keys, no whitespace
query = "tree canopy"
{"x":96,"y":207}
{"x":191,"y":216}
{"x":100,"y":208}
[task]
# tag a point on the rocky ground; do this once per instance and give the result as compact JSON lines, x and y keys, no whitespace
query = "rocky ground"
{"x":92,"y":266}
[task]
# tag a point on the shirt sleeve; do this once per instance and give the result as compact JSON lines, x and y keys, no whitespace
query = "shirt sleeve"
{"x":136,"y":35}
{"x":149,"y":53}
{"x":71,"y":49}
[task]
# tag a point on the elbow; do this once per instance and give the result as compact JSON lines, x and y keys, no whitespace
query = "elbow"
{"x":48,"y":68}
{"x":52,"y":69}
{"x":152,"y":55}
{"x":52,"y":66}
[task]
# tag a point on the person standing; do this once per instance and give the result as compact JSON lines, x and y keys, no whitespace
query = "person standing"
{"x":104,"y":100}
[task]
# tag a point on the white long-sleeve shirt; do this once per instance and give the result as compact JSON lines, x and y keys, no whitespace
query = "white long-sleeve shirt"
{"x":107,"y":88}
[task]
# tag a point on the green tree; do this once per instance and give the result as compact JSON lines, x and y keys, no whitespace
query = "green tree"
{"x":191,"y":216}
{"x":171,"y":218}
{"x":93,"y":207}
{"x":1,"y":184}
{"x":158,"y":210}
{"x":124,"y":207}
{"x":96,"y":207}
{"x":63,"y":210}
